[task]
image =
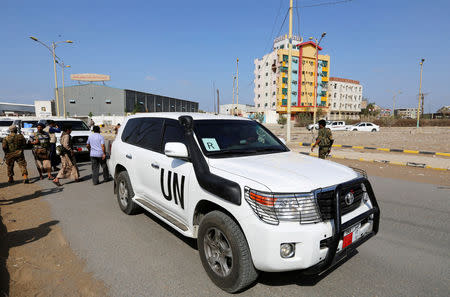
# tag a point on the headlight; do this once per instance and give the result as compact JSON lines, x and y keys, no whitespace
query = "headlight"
{"x":273,"y":208}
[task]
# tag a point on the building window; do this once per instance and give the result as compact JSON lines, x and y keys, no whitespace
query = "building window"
{"x":273,"y":103}
{"x":259,"y":66}
{"x":108,"y":101}
{"x":273,"y":93}
{"x":259,"y":105}
{"x":43,"y":108}
{"x":259,"y":86}
{"x":266,"y":94}
{"x":267,"y":74}
{"x":259,"y":76}
{"x":265,"y":105}
{"x":334,"y":95}
{"x":334,"y":104}
{"x":72,"y":101}
{"x":267,"y":84}
{"x":259,"y":96}
{"x":274,"y":82}
{"x":335,"y":86}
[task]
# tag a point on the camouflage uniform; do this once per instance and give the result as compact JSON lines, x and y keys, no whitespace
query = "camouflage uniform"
{"x":41,"y":150}
{"x":325,"y":137}
{"x":13,"y":146}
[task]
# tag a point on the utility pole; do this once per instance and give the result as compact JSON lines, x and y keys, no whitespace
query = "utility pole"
{"x":234,"y":82}
{"x":64,"y":96}
{"x":316,"y":69}
{"x":218,"y":102}
{"x":420,"y":92}
{"x":393,"y":102}
{"x":288,"y":122}
{"x":237,"y":83}
{"x":56,"y":80}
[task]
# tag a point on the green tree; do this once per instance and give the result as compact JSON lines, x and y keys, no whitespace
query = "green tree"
{"x":90,"y":114}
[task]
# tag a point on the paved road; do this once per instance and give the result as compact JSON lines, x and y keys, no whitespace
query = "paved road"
{"x":140,"y":256}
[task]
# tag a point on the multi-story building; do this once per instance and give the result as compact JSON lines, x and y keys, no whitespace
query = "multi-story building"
{"x":406,"y":113}
{"x":345,"y":98}
{"x":271,"y":78}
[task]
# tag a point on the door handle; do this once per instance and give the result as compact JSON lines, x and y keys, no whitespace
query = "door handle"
{"x":155,"y":165}
{"x":129,"y":156}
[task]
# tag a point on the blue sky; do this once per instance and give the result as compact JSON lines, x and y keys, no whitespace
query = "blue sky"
{"x":179,"y":48}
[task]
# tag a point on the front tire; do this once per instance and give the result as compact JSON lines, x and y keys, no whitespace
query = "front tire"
{"x":355,"y":129}
{"x":224,"y":253}
{"x":374,"y":130}
{"x":125,"y":194}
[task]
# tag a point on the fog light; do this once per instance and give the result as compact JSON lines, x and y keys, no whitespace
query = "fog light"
{"x":365,"y":194}
{"x":287,"y":250}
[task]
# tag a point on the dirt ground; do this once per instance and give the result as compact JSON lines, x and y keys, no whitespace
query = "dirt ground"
{"x":420,"y":175}
{"x":436,"y":139}
{"x":35,"y":258}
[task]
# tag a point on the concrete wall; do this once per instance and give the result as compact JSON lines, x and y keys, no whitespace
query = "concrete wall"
{"x":98,"y":99}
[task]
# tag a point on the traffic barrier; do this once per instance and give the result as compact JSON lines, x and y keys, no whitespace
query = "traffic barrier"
{"x":382,"y":149}
{"x":410,"y":164}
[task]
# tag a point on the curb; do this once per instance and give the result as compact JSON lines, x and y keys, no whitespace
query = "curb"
{"x":410,"y":164}
{"x":382,"y":149}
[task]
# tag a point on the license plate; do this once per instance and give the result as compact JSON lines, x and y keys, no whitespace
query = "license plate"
{"x":351,"y":235}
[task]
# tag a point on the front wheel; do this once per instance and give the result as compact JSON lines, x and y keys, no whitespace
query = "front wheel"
{"x":355,"y":129}
{"x":224,"y":253}
{"x":374,"y":130}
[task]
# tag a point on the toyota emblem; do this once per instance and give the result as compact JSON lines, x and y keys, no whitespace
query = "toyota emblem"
{"x":349,"y":198}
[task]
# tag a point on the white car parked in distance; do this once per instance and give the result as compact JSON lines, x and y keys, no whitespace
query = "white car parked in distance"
{"x":364,"y":126}
{"x":251,"y":203}
{"x":333,"y":125}
{"x":5,"y":123}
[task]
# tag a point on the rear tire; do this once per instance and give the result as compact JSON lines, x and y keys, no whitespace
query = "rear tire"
{"x":224,"y":253}
{"x":125,"y":194}
{"x":355,"y":129}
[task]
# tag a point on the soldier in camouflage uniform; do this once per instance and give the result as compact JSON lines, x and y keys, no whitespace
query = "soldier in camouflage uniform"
{"x":324,"y":140}
{"x":13,"y":146}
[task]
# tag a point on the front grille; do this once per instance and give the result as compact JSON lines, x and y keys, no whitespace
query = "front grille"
{"x":326,"y":200}
{"x":79,"y":139}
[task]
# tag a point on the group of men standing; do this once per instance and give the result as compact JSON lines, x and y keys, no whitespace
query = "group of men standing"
{"x":48,"y":155}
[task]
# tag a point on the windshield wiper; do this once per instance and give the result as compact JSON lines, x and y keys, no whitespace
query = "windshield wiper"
{"x":227,"y":152}
{"x":270,"y":149}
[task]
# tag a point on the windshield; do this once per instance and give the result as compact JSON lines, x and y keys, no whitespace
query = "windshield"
{"x":29,"y":124}
{"x":6,"y":123}
{"x":76,"y":125}
{"x":220,"y":138}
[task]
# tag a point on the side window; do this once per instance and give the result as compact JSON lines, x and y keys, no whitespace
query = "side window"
{"x":173,"y":132}
{"x":368,"y":124}
{"x":144,"y":132}
{"x":128,"y":134}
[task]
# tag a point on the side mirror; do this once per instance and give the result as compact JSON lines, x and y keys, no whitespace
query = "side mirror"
{"x":282,"y":140}
{"x":176,"y":150}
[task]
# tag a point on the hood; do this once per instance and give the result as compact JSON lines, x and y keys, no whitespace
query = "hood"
{"x":286,"y":172}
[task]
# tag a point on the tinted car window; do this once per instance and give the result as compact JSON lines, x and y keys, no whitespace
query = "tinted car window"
{"x":5,"y":123}
{"x":29,"y":124}
{"x":173,"y":132}
{"x":76,"y":125}
{"x":144,"y":132}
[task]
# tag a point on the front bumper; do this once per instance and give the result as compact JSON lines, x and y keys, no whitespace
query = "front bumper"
{"x":317,"y":246}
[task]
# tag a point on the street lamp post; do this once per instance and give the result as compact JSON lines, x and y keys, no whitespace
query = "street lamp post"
{"x":420,"y":92}
{"x":52,"y":50}
{"x":316,"y":69}
{"x":393,"y":102}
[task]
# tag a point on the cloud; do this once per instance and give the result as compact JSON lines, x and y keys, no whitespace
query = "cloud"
{"x":149,"y":77}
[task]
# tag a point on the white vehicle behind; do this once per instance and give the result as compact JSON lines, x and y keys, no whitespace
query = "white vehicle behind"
{"x":80,"y":132}
{"x":333,"y":125}
{"x":364,"y":126}
{"x":5,"y":123}
{"x":251,"y":203}
{"x":26,"y":126}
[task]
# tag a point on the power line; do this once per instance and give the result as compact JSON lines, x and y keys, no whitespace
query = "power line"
{"x":326,"y":3}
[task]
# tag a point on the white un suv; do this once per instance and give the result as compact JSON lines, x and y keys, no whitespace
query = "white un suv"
{"x":252,"y":204}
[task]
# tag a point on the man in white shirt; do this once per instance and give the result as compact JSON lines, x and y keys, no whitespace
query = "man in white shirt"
{"x":96,"y":147}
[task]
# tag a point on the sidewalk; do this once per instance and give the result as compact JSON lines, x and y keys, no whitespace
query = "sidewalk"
{"x":393,"y":158}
